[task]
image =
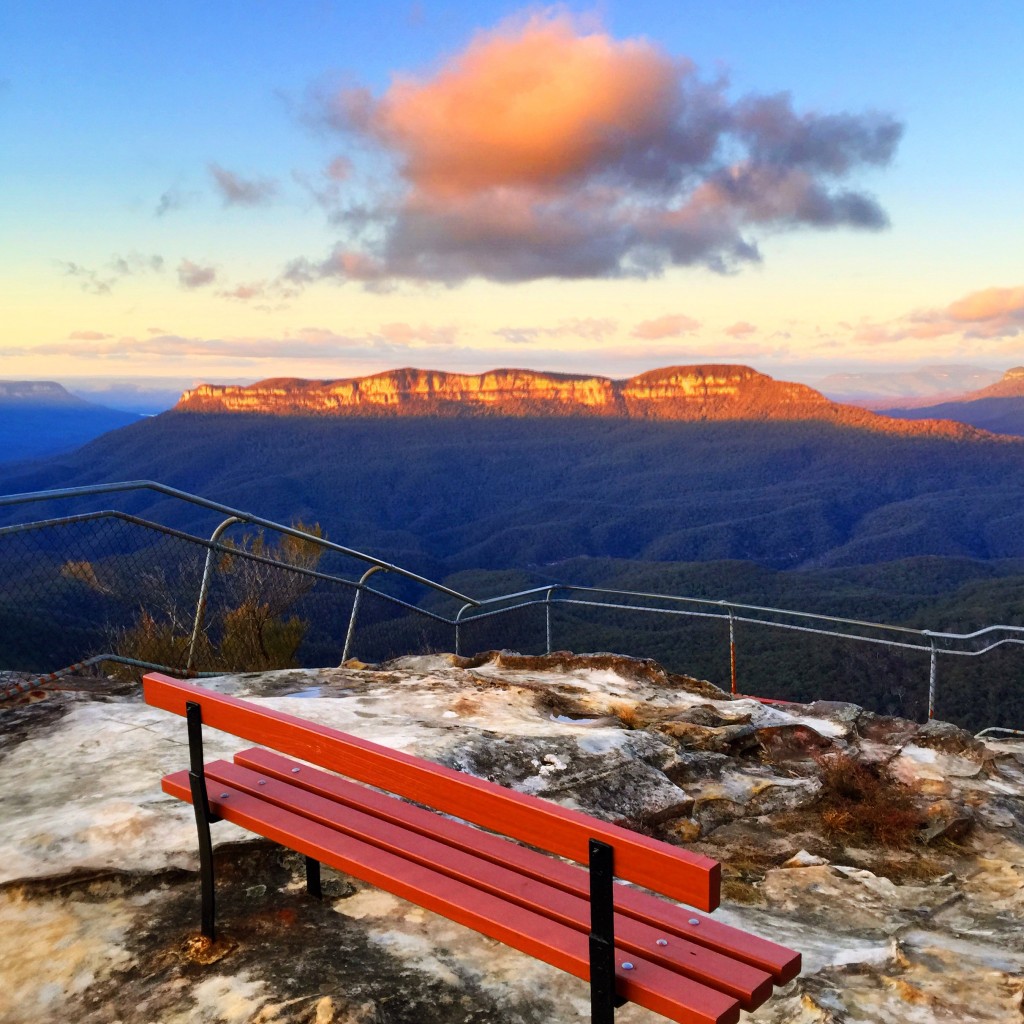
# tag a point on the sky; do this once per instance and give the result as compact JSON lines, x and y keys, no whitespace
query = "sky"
{"x":252,"y":189}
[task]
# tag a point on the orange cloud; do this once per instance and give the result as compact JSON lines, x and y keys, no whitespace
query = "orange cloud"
{"x":741,"y":328}
{"x":530,"y":102}
{"x":549,"y":149}
{"x":671,"y":326}
{"x":989,"y":304}
{"x":988,"y":314}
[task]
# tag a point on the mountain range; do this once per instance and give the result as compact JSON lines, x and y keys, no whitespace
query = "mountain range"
{"x":708,"y":481}
{"x":509,"y":469}
{"x":39,"y":418}
{"x":926,"y":385}
{"x":998,"y":407}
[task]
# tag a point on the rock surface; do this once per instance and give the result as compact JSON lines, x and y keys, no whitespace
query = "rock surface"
{"x":689,"y":393}
{"x":98,"y":895}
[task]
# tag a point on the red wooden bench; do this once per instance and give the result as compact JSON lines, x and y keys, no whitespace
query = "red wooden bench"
{"x":631,"y":945}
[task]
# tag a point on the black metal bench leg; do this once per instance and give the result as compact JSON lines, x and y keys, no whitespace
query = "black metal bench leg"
{"x":602,"y":934}
{"x":201,"y":806}
{"x":313,"y":878}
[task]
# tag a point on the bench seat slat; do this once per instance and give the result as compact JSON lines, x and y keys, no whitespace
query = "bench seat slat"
{"x":781,"y":963}
{"x":648,"y":984}
{"x":751,"y":986}
{"x":685,"y":876}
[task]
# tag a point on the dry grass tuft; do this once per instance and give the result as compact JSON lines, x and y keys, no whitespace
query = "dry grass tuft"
{"x":865,"y":803}
{"x":630,"y":715}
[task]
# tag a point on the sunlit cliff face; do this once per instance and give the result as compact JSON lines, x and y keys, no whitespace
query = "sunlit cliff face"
{"x":687,"y":393}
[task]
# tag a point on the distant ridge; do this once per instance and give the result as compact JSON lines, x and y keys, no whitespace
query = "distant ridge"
{"x":998,"y":407}
{"x":40,"y":418}
{"x":892,"y":389}
{"x":1010,"y":386}
{"x":39,"y":393}
{"x":687,"y":393}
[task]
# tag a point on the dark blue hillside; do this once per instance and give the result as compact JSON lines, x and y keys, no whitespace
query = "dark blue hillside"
{"x":36,"y":429}
{"x":1000,"y":415}
{"x":443,"y":495}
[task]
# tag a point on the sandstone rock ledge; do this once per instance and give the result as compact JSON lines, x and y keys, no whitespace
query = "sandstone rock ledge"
{"x":98,"y":901}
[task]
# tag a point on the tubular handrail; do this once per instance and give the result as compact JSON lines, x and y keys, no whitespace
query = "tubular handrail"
{"x":931,"y":635}
{"x":233,"y":552}
{"x":470,"y":610}
{"x":226,"y":510}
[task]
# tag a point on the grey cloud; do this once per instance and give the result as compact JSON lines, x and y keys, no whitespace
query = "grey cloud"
{"x":89,"y":280}
{"x":700,"y":184}
{"x":235,"y":190}
{"x":832,"y":144}
{"x":171,"y":199}
{"x":192,"y":275}
{"x":102,"y":281}
{"x":136,"y":263}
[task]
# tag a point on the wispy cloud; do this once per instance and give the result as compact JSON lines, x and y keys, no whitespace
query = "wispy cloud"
{"x":171,"y":199}
{"x":88,"y":336}
{"x":671,"y":326}
{"x":101,"y":281}
{"x":245,"y":292}
{"x":741,"y":329}
{"x":988,"y":314}
{"x":234,"y":190}
{"x":592,"y":329}
{"x":549,"y":149}
{"x":390,"y":340}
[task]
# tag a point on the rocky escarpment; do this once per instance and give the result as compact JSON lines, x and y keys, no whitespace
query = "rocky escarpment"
{"x":686,"y":393}
{"x":889,"y":853}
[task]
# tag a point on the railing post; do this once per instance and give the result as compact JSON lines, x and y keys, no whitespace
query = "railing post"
{"x":204,"y":590}
{"x":547,"y":618}
{"x":355,"y":610}
{"x":931,"y":683}
{"x":458,"y":629}
{"x":732,"y":653}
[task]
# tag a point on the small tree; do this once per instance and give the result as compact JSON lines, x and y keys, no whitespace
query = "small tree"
{"x":254,"y":632}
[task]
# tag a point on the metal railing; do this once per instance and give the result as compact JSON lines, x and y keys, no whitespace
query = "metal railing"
{"x":124,"y":558}
{"x":929,"y":642}
{"x":398,"y":623}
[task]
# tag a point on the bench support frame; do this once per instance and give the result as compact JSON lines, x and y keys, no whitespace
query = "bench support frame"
{"x":603,"y":999}
{"x":363,"y":824}
{"x":201,"y":805}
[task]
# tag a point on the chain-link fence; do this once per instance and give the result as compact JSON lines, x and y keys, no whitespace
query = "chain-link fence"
{"x":126,"y":593}
{"x":113,"y":589}
{"x":976,"y":680}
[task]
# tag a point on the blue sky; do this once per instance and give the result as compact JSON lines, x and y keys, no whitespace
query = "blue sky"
{"x":183,"y":188}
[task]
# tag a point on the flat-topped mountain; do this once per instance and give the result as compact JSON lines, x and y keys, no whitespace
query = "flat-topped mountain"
{"x":685,"y":393}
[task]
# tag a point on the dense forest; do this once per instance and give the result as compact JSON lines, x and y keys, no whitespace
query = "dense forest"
{"x":919,"y":531}
{"x":1000,"y":415}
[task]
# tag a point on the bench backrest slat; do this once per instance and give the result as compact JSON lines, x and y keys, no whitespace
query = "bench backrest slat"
{"x":680,"y":874}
